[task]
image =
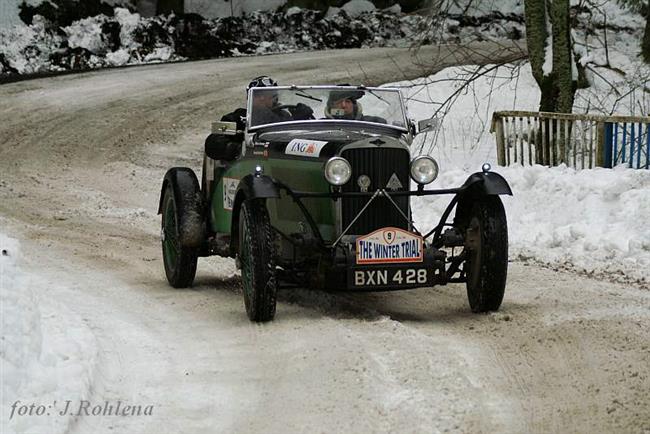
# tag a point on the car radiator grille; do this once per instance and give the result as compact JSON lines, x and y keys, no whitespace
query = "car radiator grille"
{"x":379,"y":164}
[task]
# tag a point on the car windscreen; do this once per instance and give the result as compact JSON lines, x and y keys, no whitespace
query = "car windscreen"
{"x":275,"y":105}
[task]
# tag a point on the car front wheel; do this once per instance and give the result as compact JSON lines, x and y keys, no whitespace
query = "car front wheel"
{"x":257,"y":261}
{"x":486,"y":244}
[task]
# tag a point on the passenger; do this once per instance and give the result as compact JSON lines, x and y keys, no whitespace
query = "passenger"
{"x":343,"y":104}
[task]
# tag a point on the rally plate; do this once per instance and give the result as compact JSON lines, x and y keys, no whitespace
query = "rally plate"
{"x":389,"y":246}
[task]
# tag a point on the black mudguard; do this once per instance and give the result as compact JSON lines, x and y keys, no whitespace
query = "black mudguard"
{"x":258,"y":187}
{"x":478,"y":184}
{"x":250,"y":187}
{"x":488,"y":183}
{"x":187,"y":196}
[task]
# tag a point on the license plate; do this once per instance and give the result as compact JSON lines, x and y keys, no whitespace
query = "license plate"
{"x":389,"y":277}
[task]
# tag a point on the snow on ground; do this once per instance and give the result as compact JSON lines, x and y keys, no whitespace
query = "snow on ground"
{"x":47,"y":353}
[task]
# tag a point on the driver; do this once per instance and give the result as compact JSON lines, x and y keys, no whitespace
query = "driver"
{"x":266,"y":109}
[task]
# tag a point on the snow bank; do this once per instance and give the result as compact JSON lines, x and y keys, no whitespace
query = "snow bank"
{"x":47,"y":354}
{"x":28,"y":49}
{"x":87,"y":34}
{"x":594,"y":221}
{"x":126,"y":38}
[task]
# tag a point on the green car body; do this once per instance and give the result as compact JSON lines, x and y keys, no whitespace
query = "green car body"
{"x":269,"y":194}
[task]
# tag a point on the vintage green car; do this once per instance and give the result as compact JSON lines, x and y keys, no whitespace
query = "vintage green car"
{"x":323,"y":200}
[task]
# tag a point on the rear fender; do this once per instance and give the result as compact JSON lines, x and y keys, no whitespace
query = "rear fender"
{"x":187,"y":196}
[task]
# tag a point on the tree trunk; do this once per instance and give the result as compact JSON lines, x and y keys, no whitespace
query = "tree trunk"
{"x":562,"y":56}
{"x":556,"y":81}
{"x":557,"y":85}
{"x":645,"y":46}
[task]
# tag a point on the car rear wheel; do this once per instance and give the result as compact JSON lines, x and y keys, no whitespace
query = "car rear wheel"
{"x":180,"y":262}
{"x":486,"y":244}
{"x":257,"y":261}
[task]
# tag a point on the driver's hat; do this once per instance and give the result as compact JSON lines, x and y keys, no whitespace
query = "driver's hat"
{"x":261,"y":81}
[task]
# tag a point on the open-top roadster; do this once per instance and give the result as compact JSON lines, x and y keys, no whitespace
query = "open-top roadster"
{"x":323,"y":200}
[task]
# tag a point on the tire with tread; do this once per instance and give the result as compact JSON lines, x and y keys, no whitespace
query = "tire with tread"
{"x":486,"y":243}
{"x":257,"y":260}
{"x":180,"y":262}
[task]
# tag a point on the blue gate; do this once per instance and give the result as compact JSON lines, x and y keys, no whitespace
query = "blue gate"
{"x":627,"y":143}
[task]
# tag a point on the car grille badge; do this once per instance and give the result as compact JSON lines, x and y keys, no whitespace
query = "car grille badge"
{"x":394,"y":183}
{"x":363,"y":182}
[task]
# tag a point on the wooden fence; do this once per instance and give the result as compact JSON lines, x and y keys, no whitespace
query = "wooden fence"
{"x":577,"y":140}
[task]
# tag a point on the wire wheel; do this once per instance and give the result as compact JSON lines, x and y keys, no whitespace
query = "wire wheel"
{"x":257,"y":261}
{"x":486,"y":244}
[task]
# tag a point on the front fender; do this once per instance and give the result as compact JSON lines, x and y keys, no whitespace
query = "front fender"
{"x":258,"y":187}
{"x":250,"y":187}
{"x":477,"y":185}
{"x":488,"y":183}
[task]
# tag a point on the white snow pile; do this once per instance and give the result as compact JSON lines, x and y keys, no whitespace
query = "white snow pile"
{"x":47,"y":354}
{"x":594,"y":220}
{"x":28,"y":49}
{"x":87,"y":33}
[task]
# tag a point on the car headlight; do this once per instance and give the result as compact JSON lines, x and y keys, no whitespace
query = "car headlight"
{"x":424,"y":169}
{"x":337,"y":171}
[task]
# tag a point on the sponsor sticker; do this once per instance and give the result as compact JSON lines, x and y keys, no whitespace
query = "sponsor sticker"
{"x":389,"y":245}
{"x":305,"y":148}
{"x":229,"y":190}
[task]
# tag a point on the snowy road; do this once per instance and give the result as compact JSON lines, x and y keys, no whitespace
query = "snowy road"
{"x":81,"y":159}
